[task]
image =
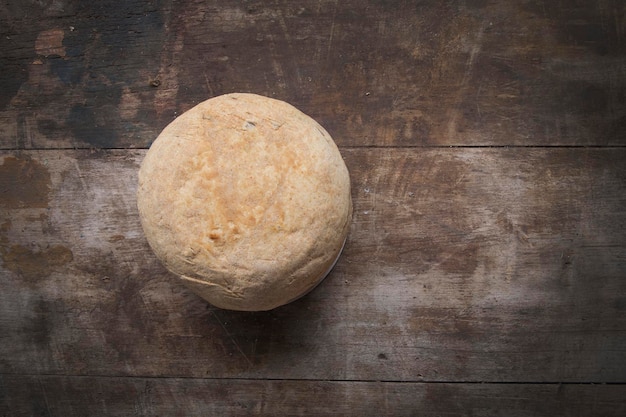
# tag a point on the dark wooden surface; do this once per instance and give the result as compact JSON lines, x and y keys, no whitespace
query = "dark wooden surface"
{"x":374,"y":73}
{"x":60,"y":395}
{"x":485,"y":270}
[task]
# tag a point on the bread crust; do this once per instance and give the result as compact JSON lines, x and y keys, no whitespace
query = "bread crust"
{"x":247,"y":200}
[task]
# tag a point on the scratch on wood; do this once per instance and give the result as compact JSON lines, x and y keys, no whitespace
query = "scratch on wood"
{"x":458,"y":181}
{"x":146,"y":304}
{"x":619,"y":29}
{"x":208,"y":86}
{"x":469,"y":65}
{"x":332,"y":29}
{"x":386,"y":398}
{"x":45,"y":397}
{"x":24,"y":137}
{"x":165,"y":97}
{"x":80,"y":175}
{"x":283,"y":27}
{"x":480,"y":86}
{"x":278,"y":69}
{"x":231,"y":338}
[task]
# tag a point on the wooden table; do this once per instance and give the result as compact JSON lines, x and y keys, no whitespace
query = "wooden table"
{"x":485,"y":271}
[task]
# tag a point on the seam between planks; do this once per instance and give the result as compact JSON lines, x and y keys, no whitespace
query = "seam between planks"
{"x":364,"y":381}
{"x":353,"y":147}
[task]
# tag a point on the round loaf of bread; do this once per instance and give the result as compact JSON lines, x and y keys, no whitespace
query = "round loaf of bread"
{"x":247,"y":200}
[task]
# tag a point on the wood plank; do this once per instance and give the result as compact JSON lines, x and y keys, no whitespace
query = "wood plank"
{"x":101,"y":74}
{"x":90,"y":396}
{"x":461,"y":265}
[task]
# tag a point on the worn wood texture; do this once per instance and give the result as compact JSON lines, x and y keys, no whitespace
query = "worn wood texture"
{"x":97,"y":396}
{"x":476,"y":280}
{"x":375,"y":73}
{"x":497,"y":265}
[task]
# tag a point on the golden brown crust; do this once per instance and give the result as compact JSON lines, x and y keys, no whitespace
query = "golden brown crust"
{"x":246,"y":199}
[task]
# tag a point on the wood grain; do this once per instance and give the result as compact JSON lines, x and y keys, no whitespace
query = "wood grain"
{"x":495,"y":265}
{"x":90,"y":396}
{"x":485,"y":272}
{"x":374,"y":73}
